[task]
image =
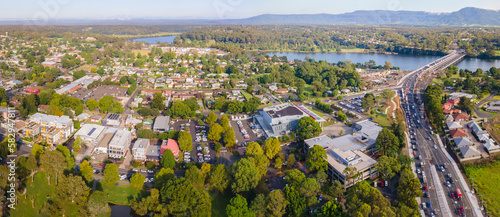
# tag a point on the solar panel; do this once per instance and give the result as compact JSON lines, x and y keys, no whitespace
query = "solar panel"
{"x":91,"y":131}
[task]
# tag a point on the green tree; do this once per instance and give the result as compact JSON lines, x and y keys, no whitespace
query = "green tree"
{"x":92,"y":104}
{"x":272,"y":147}
{"x":54,"y":162}
{"x":253,"y":149}
{"x":70,"y":162}
{"x":162,"y":177}
{"x":388,"y":65}
{"x":215,"y":132}
{"x":97,"y":205}
{"x":31,"y":165}
{"x":229,"y":138}
{"x":110,"y":174}
{"x":110,"y":104}
{"x":316,"y":159}
{"x":194,"y":175}
{"x":137,"y":180}
{"x":276,"y":203}
{"x":365,"y":200}
{"x":388,"y":167}
{"x":183,"y":199}
{"x":78,"y":143}
{"x":157,"y":101}
{"x":86,"y":170}
{"x":258,"y":205}
{"x":261,"y":162}
{"x":297,"y":203}
{"x":224,"y":121}
{"x":387,"y":142}
{"x":310,"y":188}
{"x":185,"y":141}
{"x":37,"y":150}
{"x":332,"y":208}
{"x":73,"y":188}
{"x":351,"y":174}
{"x":238,"y":207}
{"x":211,"y":118}
{"x":244,"y":176}
{"x":294,"y":178}
{"x":219,"y":178}
{"x":408,"y":189}
{"x":168,"y":159}
{"x":308,"y":128}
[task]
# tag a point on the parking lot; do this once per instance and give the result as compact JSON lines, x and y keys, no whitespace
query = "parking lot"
{"x":198,"y":135}
{"x":99,"y":92}
{"x":245,"y":126}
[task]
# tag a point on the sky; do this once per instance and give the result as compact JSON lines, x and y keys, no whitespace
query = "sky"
{"x":214,"y":9}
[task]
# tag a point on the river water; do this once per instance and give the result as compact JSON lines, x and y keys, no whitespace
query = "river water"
{"x":154,"y":40}
{"x":405,"y":62}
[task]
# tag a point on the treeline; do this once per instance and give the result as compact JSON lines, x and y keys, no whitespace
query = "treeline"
{"x":434,"y":107}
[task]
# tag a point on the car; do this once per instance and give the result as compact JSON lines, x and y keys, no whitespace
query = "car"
{"x":320,"y":197}
{"x":382,"y":184}
{"x":151,"y":171}
{"x":423,"y":205}
{"x":187,"y":160}
{"x":452,"y":195}
{"x":207,"y":159}
{"x":135,"y":170}
{"x":102,"y":165}
{"x":187,"y":153}
{"x":143,"y":171}
{"x":448,"y":184}
{"x":426,"y":194}
{"x":425,"y":188}
{"x":452,"y":181}
{"x":435,"y":147}
{"x":199,"y":148}
{"x":418,"y":171}
{"x":200,"y":154}
{"x":200,"y":160}
{"x":151,"y":179}
{"x":429,"y":205}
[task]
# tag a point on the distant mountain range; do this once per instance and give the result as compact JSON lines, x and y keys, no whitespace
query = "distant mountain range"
{"x":469,"y":16}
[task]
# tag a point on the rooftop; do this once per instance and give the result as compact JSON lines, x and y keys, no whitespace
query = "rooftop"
{"x":141,"y":144}
{"x":283,"y":110}
{"x":121,"y":138}
{"x":90,"y":131}
{"x":51,"y":118}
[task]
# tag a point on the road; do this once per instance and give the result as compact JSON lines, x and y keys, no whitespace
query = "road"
{"x":478,"y":111}
{"x":432,"y":156}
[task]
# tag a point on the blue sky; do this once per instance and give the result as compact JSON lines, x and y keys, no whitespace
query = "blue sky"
{"x":214,"y":9}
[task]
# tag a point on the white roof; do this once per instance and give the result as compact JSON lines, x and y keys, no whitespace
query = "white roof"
{"x":454,"y":125}
{"x":90,"y":131}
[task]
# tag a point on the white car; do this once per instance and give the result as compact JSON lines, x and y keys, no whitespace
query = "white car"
{"x":135,"y":170}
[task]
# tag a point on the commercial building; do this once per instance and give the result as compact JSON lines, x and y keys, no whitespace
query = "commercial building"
{"x":119,"y":144}
{"x":91,"y":133}
{"x":161,"y":124}
{"x":172,"y":145}
{"x":112,"y":120}
{"x":153,"y":153}
{"x":139,"y":149}
{"x":350,"y":151}
{"x":283,"y":118}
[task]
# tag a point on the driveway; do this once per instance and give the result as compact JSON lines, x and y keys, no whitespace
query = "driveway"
{"x":478,"y":111}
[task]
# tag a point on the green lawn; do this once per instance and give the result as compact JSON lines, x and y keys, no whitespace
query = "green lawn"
{"x":327,"y":123}
{"x":353,"y":50}
{"x":381,"y":119}
{"x":41,"y":192}
{"x":308,"y":88}
{"x":486,"y":178}
{"x":497,"y":53}
{"x":246,"y":94}
{"x":219,"y":203}
{"x":496,"y":97}
{"x":121,"y":195}
{"x":317,"y":111}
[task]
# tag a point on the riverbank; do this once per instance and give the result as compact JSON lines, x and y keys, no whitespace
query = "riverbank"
{"x":156,"y":35}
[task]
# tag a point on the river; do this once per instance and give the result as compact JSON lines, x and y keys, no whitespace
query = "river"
{"x":154,"y":40}
{"x":405,"y":62}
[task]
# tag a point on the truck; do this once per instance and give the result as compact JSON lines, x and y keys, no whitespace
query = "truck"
{"x":459,"y":193}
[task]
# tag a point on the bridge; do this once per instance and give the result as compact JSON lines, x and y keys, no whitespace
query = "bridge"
{"x":437,"y":65}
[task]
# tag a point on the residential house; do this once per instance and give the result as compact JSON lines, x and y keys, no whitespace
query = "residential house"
{"x":458,"y":133}
{"x":447,"y":105}
{"x":463,"y":142}
{"x":469,"y":153}
{"x":453,"y":125}
{"x":476,"y":129}
{"x":172,"y":145}
{"x":140,"y":148}
{"x":461,"y":117}
{"x":493,"y":107}
{"x":153,"y":153}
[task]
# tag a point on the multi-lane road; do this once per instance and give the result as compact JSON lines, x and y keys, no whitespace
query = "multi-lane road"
{"x":439,"y":186}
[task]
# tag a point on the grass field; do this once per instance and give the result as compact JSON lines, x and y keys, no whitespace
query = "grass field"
{"x":247,"y":95}
{"x":486,"y":177}
{"x":219,"y":203}
{"x":381,"y":119}
{"x":496,"y":97}
{"x":121,"y":195}
{"x":85,"y":67}
{"x":497,"y":53}
{"x":317,"y":111}
{"x":353,"y":50}
{"x":142,"y":52}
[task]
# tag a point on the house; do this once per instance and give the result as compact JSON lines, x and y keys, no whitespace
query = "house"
{"x":95,"y":118}
{"x":463,"y":142}
{"x":447,"y":105}
{"x":161,"y":124}
{"x":148,"y":123}
{"x":453,"y":125}
{"x":449,"y":118}
{"x":447,"y":111}
{"x":282,"y":91}
{"x":483,"y":137}
{"x":131,"y":121}
{"x":153,"y":153}
{"x":476,"y":129}
{"x":470,"y":153}
{"x":172,"y":145}
{"x":140,"y":148}
{"x":119,"y":144}
{"x":491,"y":146}
{"x":112,"y":120}
{"x":461,"y":117}
{"x":7,"y":113}
{"x":493,"y":107}
{"x":454,"y":101}
{"x":458,"y":133}
{"x":273,"y":87}
{"x":80,"y":117}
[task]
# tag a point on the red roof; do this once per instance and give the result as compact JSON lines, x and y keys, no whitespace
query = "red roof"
{"x":446,"y":111}
{"x":447,"y":105}
{"x":461,"y":116}
{"x":458,"y":133}
{"x":172,"y":145}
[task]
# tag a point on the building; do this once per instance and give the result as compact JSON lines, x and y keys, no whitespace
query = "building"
{"x":476,"y":129}
{"x":131,"y":121}
{"x":172,"y":145}
{"x":283,"y":118}
{"x":458,"y":133}
{"x":31,"y":89}
{"x":350,"y":151}
{"x":119,"y":144}
{"x":80,"y":117}
{"x":491,"y":146}
{"x":153,"y":153}
{"x":461,"y":117}
{"x":112,"y":120}
{"x":493,"y":107}
{"x":8,"y":113}
{"x":469,"y":153}
{"x":463,"y":142}
{"x":139,"y":149}
{"x":48,"y":126}
{"x":95,"y":118}
{"x":453,"y":125}
{"x":161,"y":124}
{"x":91,"y":133}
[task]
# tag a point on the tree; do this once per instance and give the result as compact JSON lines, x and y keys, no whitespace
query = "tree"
{"x":219,"y":178}
{"x":70,"y":162}
{"x":310,"y":188}
{"x":316,"y":159}
{"x":162,"y":177}
{"x":335,"y":189}
{"x":253,"y":149}
{"x":86,"y":171}
{"x":387,"y":94}
{"x":408,"y":189}
{"x":78,"y":143}
{"x":179,"y":109}
{"x":31,"y":165}
{"x":351,"y":174}
{"x":37,"y":150}
{"x":368,"y":101}
{"x":111,"y":175}
{"x":466,"y":104}
{"x":365,"y":200}
{"x":297,"y":203}
{"x":276,"y":203}
{"x":110,"y":104}
{"x":92,"y":104}
{"x":205,"y":170}
{"x":272,"y":147}
{"x":211,"y":118}
{"x":294,"y":177}
{"x":388,"y":166}
{"x":215,"y":132}
{"x":387,"y":142}
{"x":258,"y":205}
{"x":137,"y":180}
{"x":194,"y":175}
{"x":308,"y":128}
{"x":244,"y":176}
{"x":341,"y":116}
{"x":168,"y":159}
{"x":224,"y":121}
{"x":53,"y":162}
{"x":185,"y":141}
{"x":229,"y":138}
{"x":261,"y":162}
{"x":74,"y":189}
{"x":183,"y":199}
{"x":238,"y":207}
{"x":97,"y":205}
{"x":290,"y":161}
{"x":332,"y":208}
{"x":157,"y":101}
{"x":388,"y":65}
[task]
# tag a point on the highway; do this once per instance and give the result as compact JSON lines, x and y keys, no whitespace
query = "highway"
{"x":431,"y":157}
